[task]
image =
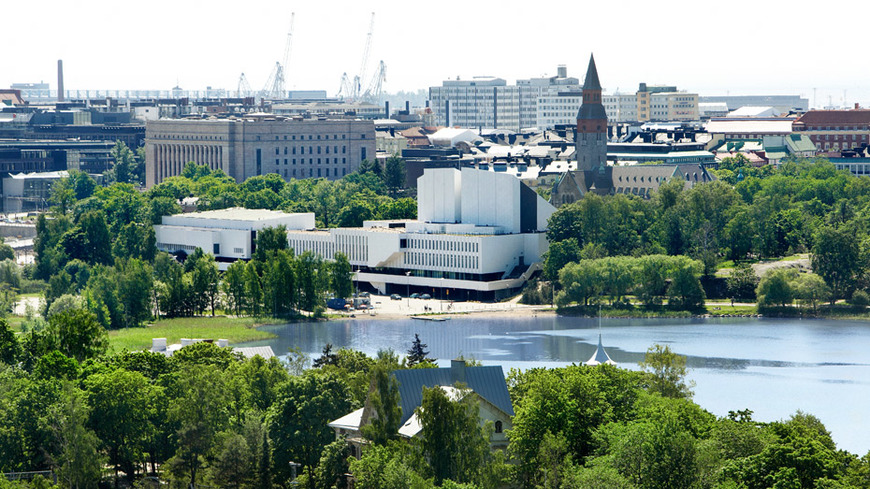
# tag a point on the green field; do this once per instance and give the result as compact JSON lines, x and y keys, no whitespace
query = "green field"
{"x":236,"y":330}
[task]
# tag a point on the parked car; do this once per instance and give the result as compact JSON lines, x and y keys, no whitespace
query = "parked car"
{"x":415,"y":296}
{"x":396,"y":297}
{"x":426,"y":296}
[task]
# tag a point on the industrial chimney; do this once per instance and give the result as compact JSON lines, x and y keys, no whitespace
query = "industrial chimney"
{"x":60,"y":80}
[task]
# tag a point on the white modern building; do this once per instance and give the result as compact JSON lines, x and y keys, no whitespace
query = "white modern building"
{"x":228,"y":234}
{"x":479,"y":235}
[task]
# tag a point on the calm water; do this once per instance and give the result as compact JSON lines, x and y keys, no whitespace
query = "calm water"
{"x":773,"y":367}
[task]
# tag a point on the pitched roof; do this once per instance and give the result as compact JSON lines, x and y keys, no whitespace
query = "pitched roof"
{"x":591,"y":82}
{"x":487,"y":382}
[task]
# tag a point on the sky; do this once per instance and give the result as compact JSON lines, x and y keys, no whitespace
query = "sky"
{"x":804,"y":48}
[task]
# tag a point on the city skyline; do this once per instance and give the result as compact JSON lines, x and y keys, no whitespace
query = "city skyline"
{"x":756,"y":48}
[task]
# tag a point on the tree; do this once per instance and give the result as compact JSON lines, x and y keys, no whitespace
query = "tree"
{"x":326,"y":357}
{"x":279,"y":283}
{"x":270,"y":240}
{"x":385,"y":402}
{"x":810,"y":289}
{"x":78,"y":334}
{"x":125,"y":163}
{"x":234,"y":287}
{"x":79,"y":462}
{"x":742,"y":282}
{"x":119,"y":402}
{"x":837,"y":259}
{"x":558,"y":255}
{"x":452,"y":440}
{"x":205,"y":280}
{"x":297,"y":420}
{"x":394,"y":174}
{"x":340,"y":276}
{"x":232,"y":467}
{"x":667,"y":372}
{"x":201,"y":412}
{"x":417,"y":354}
{"x":775,"y":287}
{"x":686,"y":291}
{"x":10,"y":349}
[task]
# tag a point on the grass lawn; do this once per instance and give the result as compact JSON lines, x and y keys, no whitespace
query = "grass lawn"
{"x":720,"y":308}
{"x":14,"y":322}
{"x":236,"y":330}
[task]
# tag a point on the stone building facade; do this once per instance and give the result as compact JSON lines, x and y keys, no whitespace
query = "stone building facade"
{"x":257,"y":145}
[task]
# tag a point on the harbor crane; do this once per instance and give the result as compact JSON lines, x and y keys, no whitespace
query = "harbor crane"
{"x":352,"y":90}
{"x":276,"y":86}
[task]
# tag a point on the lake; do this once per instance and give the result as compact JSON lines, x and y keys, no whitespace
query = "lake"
{"x":772,"y":366}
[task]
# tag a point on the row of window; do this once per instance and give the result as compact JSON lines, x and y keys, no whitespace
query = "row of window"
{"x":443,"y":245}
{"x":190,"y":137}
{"x":468,"y":262}
{"x":302,"y":173}
{"x":310,"y":161}
{"x":325,"y":149}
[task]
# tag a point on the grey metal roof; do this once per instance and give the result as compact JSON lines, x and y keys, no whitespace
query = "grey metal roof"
{"x":488,"y":382}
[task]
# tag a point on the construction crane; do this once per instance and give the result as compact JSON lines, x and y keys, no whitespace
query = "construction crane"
{"x":352,"y":91}
{"x":275,"y":88}
{"x":272,"y":89}
{"x":244,"y":89}
{"x":373,"y":90}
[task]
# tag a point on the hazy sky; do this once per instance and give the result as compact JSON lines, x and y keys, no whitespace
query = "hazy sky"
{"x":734,"y":47}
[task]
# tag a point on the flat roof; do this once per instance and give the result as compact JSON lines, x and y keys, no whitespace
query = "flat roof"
{"x":239,"y":214}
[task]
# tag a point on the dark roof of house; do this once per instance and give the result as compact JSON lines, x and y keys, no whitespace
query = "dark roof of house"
{"x":857,"y":116}
{"x":488,"y":382}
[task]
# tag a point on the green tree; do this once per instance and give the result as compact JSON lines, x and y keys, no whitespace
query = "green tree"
{"x":776,"y":287}
{"x":77,"y":334}
{"x":205,"y":280}
{"x":837,"y":259}
{"x":201,"y":412}
{"x":386,"y":406}
{"x":119,"y":402}
{"x":79,"y":462}
{"x":685,"y":291}
{"x":742,"y":282}
{"x":558,"y":255}
{"x":270,"y":240}
{"x":10,"y":349}
{"x":279,"y":285}
{"x":453,"y":441}
{"x":234,"y":287}
{"x":125,"y":162}
{"x":341,"y":275}
{"x":297,"y":420}
{"x":394,"y":174}
{"x":417,"y":354}
{"x":232,"y":466}
{"x":667,"y":372}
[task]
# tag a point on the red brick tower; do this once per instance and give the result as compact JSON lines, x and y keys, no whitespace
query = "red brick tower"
{"x":591,"y":138}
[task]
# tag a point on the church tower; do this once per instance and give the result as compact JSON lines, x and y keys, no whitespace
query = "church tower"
{"x":591,"y":137}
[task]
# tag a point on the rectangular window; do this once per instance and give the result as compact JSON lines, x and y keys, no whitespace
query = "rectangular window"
{"x":217,"y":249}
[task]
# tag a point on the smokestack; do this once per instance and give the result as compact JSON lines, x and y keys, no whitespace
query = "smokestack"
{"x":60,"y":80}
{"x":387,"y":109}
{"x":408,"y":106}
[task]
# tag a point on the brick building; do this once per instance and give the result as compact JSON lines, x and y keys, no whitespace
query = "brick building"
{"x":835,"y":130}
